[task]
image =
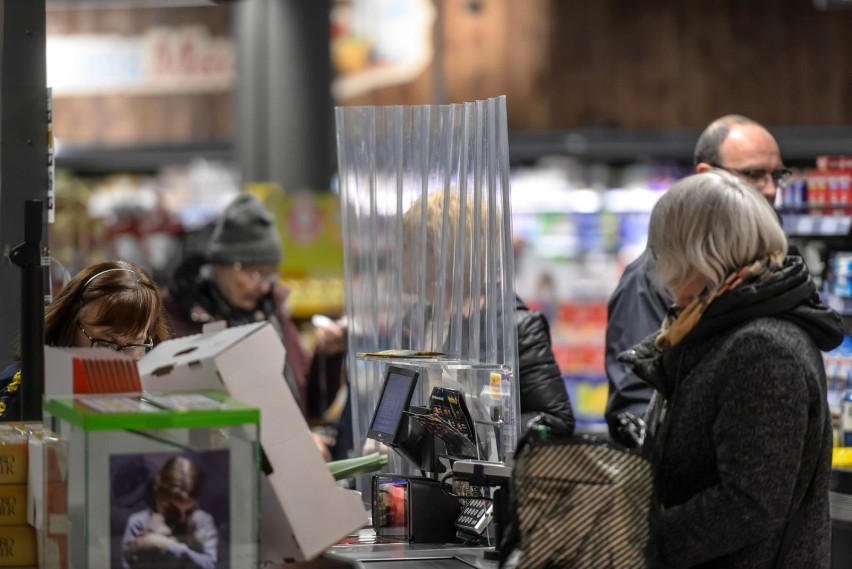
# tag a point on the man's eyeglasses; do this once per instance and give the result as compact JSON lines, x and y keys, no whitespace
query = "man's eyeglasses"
{"x":257,"y":276}
{"x":132,"y":350}
{"x":757,"y":176}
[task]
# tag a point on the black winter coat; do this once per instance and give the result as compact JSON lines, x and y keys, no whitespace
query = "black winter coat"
{"x":745,"y":428}
{"x":542,"y":388}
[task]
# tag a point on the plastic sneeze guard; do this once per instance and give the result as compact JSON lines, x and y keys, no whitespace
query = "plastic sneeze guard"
{"x":426,"y":216}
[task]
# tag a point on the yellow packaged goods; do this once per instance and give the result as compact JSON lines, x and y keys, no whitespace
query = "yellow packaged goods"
{"x":841,"y":457}
{"x":18,"y":546}
{"x":13,"y":504}
{"x":13,"y":457}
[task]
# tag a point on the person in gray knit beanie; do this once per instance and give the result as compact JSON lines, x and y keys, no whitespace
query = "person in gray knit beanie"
{"x":236,"y":280}
{"x":245,"y":233}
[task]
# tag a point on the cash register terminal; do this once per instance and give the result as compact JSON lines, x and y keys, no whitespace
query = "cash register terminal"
{"x":421,"y":509}
{"x":386,"y":425}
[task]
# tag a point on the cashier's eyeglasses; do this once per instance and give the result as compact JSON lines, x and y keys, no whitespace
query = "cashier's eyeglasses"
{"x":757,"y":176}
{"x":132,"y":350}
{"x":257,"y":275}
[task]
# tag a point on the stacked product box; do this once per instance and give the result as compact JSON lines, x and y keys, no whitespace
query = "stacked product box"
{"x":48,"y":498}
{"x":153,"y":480}
{"x":17,"y":537}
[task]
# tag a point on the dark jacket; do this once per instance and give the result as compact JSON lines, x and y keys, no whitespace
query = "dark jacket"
{"x":539,"y":378}
{"x":745,"y":428}
{"x":635,"y":309}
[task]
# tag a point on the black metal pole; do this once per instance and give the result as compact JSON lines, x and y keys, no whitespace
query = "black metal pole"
{"x":27,"y":255}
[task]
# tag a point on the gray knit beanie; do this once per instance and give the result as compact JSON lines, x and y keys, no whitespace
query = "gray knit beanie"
{"x":244,"y":233}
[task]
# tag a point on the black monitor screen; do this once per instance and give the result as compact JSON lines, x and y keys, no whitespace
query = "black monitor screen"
{"x":396,"y":395}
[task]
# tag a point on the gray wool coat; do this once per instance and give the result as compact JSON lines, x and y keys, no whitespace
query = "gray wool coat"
{"x":745,"y":427}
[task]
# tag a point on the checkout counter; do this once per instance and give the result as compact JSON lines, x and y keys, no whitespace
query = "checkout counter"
{"x":424,"y":509}
{"x":399,"y":555}
{"x":420,"y":521}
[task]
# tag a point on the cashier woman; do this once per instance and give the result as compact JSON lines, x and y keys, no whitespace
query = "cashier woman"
{"x":113,"y":305}
{"x":542,"y":392}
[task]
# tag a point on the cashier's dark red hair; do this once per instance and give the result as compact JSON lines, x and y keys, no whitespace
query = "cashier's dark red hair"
{"x":123,"y":297}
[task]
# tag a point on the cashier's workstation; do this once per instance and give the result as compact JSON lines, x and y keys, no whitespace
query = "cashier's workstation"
{"x":432,"y":344}
{"x":420,"y":518}
{"x":205,"y":423}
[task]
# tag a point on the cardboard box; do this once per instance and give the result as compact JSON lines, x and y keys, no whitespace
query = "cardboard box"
{"x":13,"y":504}
{"x":118,"y":445}
{"x":48,"y":498}
{"x":13,"y":455}
{"x":303,"y":510}
{"x":88,"y":370}
{"x":17,"y":546}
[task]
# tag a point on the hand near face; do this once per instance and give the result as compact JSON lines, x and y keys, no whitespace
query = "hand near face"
{"x":152,"y":540}
{"x":157,"y":524}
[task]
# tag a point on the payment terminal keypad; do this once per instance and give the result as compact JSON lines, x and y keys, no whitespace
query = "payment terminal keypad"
{"x":475,"y":516}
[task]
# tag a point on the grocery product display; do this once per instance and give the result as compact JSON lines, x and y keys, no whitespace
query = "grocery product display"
{"x":576,"y":227}
{"x":815,"y":212}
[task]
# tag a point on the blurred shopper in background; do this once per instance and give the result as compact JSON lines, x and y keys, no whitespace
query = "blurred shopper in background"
{"x":741,"y":434}
{"x":113,"y":305}
{"x":236,"y":281}
{"x":542,"y":390}
{"x":636,"y":308}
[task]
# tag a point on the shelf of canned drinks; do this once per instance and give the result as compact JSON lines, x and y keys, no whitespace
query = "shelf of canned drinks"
{"x":818,"y":202}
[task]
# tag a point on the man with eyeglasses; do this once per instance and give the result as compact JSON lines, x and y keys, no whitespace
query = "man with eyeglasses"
{"x":746,"y":149}
{"x":636,"y":308}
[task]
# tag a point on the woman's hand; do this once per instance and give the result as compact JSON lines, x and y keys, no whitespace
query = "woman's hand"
{"x":324,"y":444}
{"x":330,"y":335}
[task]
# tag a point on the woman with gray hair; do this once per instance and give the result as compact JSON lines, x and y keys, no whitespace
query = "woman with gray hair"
{"x":742,"y":436}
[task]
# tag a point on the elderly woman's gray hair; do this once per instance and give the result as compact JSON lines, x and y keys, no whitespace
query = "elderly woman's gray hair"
{"x":712,"y":222}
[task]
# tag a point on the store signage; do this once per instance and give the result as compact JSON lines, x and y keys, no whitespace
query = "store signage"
{"x":161,"y":61}
{"x":379,"y":43}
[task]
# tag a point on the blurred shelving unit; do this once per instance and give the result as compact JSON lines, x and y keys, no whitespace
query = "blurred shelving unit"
{"x":148,"y":158}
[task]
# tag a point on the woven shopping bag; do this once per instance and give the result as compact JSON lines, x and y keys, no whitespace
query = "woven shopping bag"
{"x":577,"y":502}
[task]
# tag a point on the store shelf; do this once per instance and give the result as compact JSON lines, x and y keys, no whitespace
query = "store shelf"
{"x":798,"y":144}
{"x":139,"y":158}
{"x":813,"y":226}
